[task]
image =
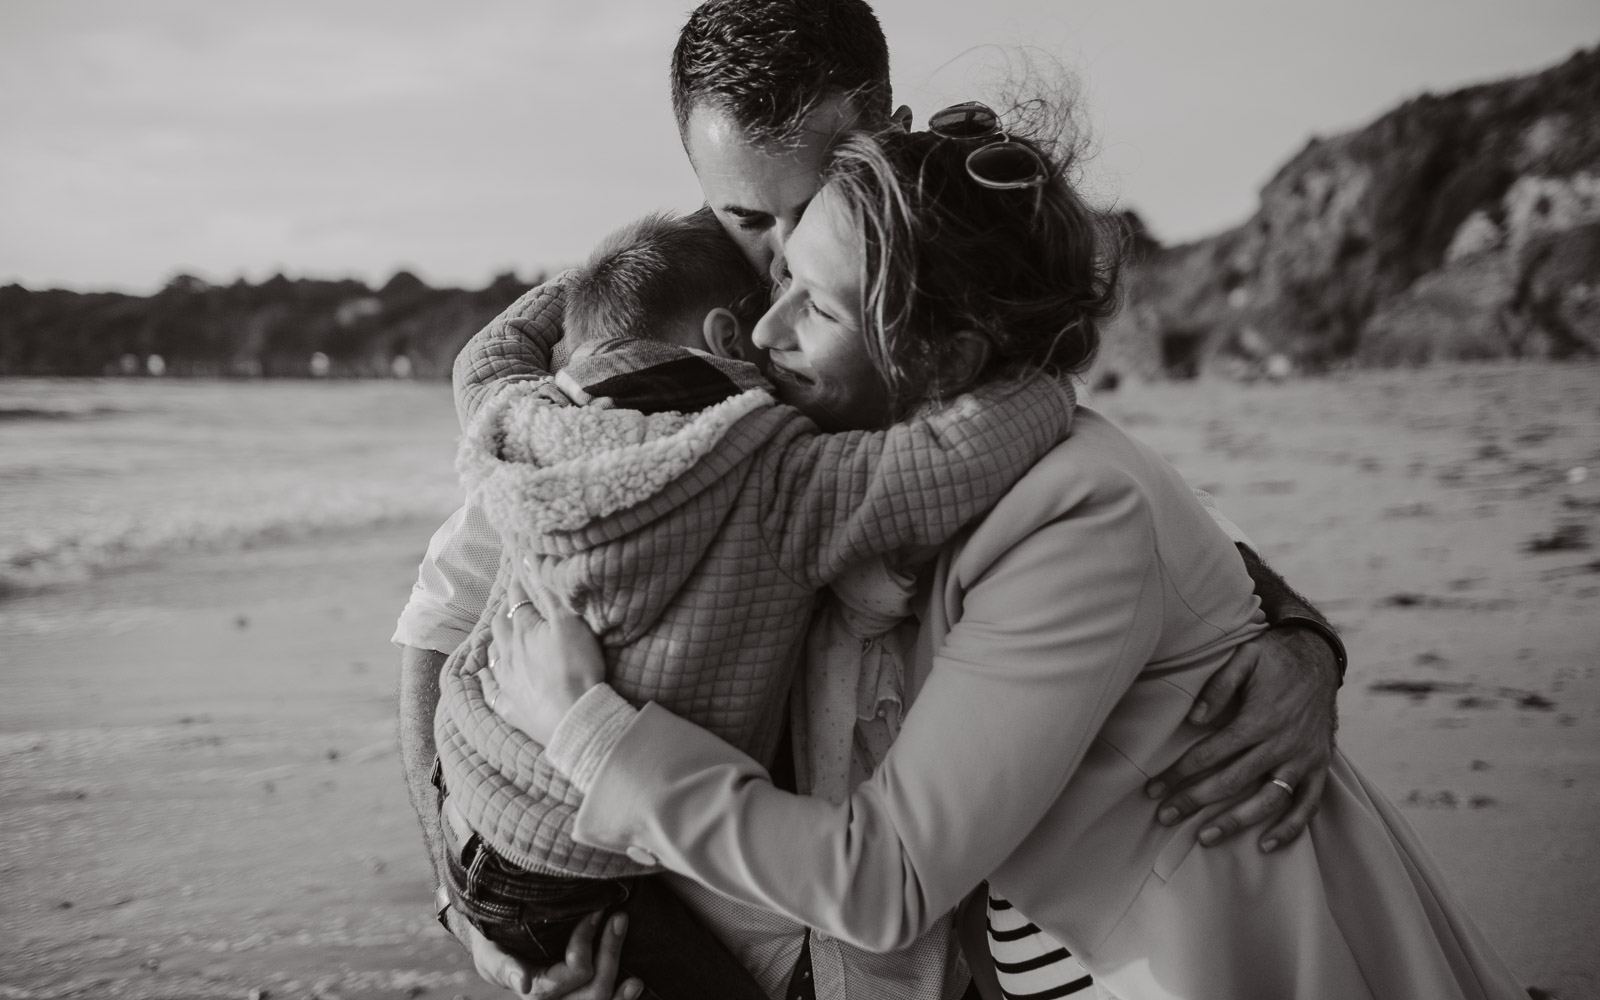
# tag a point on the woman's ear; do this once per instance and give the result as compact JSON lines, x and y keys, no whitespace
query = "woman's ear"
{"x":971,"y":358}
{"x":721,"y":333}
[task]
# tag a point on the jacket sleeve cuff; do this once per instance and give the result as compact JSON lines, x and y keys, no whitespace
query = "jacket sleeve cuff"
{"x":587,"y":734}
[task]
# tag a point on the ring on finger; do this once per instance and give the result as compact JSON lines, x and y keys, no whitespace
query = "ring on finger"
{"x":1275,"y":780}
{"x":511,"y":612}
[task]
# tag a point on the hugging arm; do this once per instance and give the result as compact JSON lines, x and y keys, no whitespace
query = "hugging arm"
{"x":519,"y":345}
{"x":1275,"y":701}
{"x":831,"y":500}
{"x":1017,"y":693}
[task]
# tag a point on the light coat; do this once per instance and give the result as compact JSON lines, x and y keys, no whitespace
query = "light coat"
{"x":1063,"y":641}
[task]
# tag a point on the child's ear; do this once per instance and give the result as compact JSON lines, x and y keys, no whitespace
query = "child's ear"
{"x":721,"y":332}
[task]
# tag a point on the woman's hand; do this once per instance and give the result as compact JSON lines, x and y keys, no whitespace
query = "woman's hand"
{"x":1287,"y":680}
{"x":583,"y":974}
{"x":544,"y":659}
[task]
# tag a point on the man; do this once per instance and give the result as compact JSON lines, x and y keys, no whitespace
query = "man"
{"x":759,"y":89}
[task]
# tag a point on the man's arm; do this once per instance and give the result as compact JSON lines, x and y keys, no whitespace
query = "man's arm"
{"x":1286,"y":608}
{"x":452,"y":589}
{"x":419,"y":698}
{"x":1275,"y":703}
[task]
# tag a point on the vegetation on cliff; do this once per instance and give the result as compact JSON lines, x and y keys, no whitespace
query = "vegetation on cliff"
{"x":1456,"y":226}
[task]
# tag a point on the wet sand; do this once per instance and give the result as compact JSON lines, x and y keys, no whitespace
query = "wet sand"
{"x":200,"y":797}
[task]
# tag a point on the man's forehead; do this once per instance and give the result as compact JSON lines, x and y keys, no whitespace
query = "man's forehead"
{"x":737,"y":171}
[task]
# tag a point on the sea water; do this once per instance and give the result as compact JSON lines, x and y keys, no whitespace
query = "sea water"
{"x":101,"y":473}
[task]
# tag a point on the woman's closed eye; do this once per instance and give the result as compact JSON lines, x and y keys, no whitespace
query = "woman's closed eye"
{"x":812,"y":307}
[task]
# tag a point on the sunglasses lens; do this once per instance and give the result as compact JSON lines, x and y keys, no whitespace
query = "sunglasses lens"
{"x":965,"y":121}
{"x":1005,"y":164}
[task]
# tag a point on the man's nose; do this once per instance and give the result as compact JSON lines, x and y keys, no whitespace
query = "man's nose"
{"x":775,"y":270}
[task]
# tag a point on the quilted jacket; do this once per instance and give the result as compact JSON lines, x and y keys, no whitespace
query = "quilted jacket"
{"x":693,"y":544}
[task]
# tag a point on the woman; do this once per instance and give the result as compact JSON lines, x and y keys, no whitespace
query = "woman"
{"x":1061,"y":644}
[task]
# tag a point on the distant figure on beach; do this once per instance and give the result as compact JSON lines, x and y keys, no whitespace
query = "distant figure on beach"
{"x":759,"y":161}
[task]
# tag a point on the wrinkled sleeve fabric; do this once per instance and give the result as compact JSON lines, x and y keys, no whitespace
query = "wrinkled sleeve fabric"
{"x":522,"y":344}
{"x":453,"y":583}
{"x":1044,"y":647}
{"x":832,"y":500}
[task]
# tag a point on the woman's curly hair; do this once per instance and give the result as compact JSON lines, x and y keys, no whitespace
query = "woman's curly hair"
{"x":1032,"y":271}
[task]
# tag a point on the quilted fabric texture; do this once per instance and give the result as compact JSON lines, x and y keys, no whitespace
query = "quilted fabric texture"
{"x":699,"y":586}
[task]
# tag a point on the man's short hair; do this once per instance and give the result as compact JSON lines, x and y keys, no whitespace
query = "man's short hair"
{"x":769,"y":63}
{"x":657,"y":271}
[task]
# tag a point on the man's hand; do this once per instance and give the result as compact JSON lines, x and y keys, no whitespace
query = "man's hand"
{"x":584,"y":973}
{"x":1287,"y":679}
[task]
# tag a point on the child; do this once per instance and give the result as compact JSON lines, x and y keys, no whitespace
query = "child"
{"x":690,"y":519}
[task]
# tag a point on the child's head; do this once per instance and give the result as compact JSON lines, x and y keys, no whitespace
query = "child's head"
{"x":677,"y":279}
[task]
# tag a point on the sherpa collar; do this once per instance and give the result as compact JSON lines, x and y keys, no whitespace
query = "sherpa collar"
{"x":537,"y":468}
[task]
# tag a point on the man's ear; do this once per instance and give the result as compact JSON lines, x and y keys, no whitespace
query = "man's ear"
{"x":972,"y":356}
{"x":902,"y":117}
{"x":721,"y":333}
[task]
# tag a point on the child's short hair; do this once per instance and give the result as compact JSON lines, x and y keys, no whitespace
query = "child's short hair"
{"x":657,"y":271}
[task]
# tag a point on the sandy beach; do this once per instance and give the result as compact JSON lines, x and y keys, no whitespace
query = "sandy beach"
{"x":200,"y":795}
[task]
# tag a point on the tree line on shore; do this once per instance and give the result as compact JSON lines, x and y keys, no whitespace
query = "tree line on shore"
{"x":279,"y":327}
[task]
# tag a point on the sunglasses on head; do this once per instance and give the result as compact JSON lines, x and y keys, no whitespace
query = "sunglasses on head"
{"x":998,"y":162}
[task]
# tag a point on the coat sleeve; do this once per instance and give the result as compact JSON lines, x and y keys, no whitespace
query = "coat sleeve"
{"x":1050,"y":636}
{"x":1235,"y":534}
{"x":518,"y":345}
{"x":832,"y":500}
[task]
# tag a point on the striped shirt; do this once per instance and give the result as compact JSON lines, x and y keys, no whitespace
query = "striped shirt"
{"x":1030,"y":964}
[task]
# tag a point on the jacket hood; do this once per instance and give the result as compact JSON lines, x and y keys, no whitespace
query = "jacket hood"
{"x":538,"y":468}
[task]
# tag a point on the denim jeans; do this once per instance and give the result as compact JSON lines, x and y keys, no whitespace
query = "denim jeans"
{"x":532,"y":916}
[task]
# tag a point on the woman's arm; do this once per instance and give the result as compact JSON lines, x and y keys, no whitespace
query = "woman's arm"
{"x":1044,"y":649}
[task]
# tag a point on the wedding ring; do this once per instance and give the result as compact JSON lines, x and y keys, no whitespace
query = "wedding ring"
{"x":512,"y":612}
{"x":1283,"y":785}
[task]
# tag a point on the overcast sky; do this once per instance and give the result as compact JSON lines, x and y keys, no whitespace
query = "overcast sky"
{"x":141,"y":139}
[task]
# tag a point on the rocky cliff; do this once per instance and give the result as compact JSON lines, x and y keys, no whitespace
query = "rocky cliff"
{"x":1464,"y":225}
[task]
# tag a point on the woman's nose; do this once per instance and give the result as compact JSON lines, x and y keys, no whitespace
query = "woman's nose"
{"x":773,"y":331}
